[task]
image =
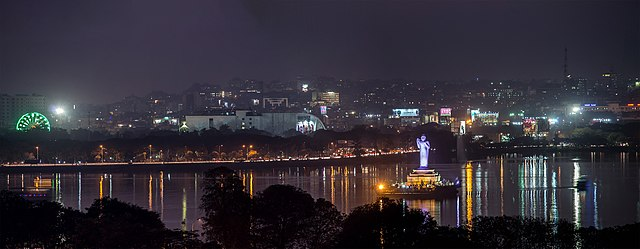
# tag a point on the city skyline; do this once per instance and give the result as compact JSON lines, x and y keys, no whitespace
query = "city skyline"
{"x":100,"y":53}
{"x":320,"y":124}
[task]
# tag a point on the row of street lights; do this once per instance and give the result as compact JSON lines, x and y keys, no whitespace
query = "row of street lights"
{"x":248,"y":148}
{"x":102,"y":148}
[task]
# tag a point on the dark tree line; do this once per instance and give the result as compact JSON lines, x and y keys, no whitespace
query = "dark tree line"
{"x":284,"y":216}
{"x":107,"y":223}
{"x":281,"y":216}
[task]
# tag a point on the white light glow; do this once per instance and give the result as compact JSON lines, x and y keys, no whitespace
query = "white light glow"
{"x":59,"y":110}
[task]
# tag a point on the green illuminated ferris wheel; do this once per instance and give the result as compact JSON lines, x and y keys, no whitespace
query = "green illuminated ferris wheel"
{"x":33,"y":121}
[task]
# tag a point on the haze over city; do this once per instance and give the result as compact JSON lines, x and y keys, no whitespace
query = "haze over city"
{"x":320,"y":124}
{"x":101,"y":51}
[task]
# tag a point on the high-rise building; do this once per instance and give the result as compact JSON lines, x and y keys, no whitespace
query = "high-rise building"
{"x":609,"y":87}
{"x":12,"y":107}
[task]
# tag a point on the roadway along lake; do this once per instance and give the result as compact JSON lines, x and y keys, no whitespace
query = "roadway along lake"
{"x":504,"y":185}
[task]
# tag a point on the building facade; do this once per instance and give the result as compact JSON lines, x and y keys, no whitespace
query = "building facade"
{"x":12,"y":107}
{"x":275,"y":123}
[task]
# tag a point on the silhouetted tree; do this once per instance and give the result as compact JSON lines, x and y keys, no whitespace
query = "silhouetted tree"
{"x":184,"y":239}
{"x":110,"y":223}
{"x":511,"y":232}
{"x":446,"y":237}
{"x":386,"y":223}
{"x":227,"y":209}
{"x":626,"y":236}
{"x":25,"y":224}
{"x":287,"y":217}
{"x":324,"y":226}
{"x":565,"y":234}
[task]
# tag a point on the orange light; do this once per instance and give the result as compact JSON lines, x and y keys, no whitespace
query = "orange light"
{"x":381,"y":187}
{"x":629,"y":104}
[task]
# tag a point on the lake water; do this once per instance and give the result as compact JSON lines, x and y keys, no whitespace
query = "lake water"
{"x":504,"y":185}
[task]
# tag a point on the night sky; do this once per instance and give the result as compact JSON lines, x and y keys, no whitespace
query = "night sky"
{"x":101,"y":51}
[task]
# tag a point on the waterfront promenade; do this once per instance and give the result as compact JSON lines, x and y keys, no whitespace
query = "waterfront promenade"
{"x":237,"y":164}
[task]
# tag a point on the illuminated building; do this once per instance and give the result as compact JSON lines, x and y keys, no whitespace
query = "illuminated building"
{"x":488,"y":118}
{"x":325,"y":98}
{"x":445,"y":116}
{"x":611,"y":107}
{"x":404,"y":117}
{"x":537,"y":127}
{"x":274,"y":123}
{"x":612,"y":112}
{"x":273,"y":103}
{"x":484,"y":118}
{"x":431,"y":117}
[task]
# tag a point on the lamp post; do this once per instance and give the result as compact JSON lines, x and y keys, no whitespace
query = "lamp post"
{"x":150,"y":153}
{"x":220,"y":152}
{"x":102,"y":153}
{"x":247,"y":151}
{"x":37,"y":152}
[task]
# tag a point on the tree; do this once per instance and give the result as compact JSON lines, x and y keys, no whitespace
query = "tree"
{"x":287,"y":217}
{"x":225,"y":130}
{"x":227,"y":209}
{"x":110,"y":223}
{"x":280,"y":214}
{"x":29,"y":224}
{"x":611,"y":237}
{"x":324,"y":226}
{"x":184,"y":239}
{"x":386,"y":223}
{"x":511,"y":232}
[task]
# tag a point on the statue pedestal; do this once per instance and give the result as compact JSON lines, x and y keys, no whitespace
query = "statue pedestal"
{"x":422,"y":176}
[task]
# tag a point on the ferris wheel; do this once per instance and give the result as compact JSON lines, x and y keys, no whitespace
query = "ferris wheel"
{"x":33,"y":121}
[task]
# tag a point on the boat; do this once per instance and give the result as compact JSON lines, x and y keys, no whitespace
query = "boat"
{"x":41,"y":190}
{"x":421,"y":183}
{"x":33,"y":194}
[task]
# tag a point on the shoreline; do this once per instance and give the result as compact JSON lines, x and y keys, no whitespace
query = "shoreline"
{"x":529,"y":151}
{"x":403,"y":158}
{"x":205,"y":165}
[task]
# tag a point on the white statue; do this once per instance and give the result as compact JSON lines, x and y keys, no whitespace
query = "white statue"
{"x":424,"y":147}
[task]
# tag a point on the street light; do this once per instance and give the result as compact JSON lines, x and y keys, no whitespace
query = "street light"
{"x":102,"y":153}
{"x":59,"y":111}
{"x":247,"y":151}
{"x":150,"y":153}
{"x":220,"y":152}
{"x":37,"y":153}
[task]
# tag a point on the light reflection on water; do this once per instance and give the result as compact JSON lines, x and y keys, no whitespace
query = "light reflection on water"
{"x":499,"y":186}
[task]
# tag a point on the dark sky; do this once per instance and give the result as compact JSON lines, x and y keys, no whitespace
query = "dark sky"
{"x":100,"y":51}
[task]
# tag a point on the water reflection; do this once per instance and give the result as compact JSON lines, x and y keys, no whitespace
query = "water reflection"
{"x":504,"y":185}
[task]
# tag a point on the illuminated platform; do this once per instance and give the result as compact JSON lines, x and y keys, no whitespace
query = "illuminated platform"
{"x":422,"y":177}
{"x":421,"y":183}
